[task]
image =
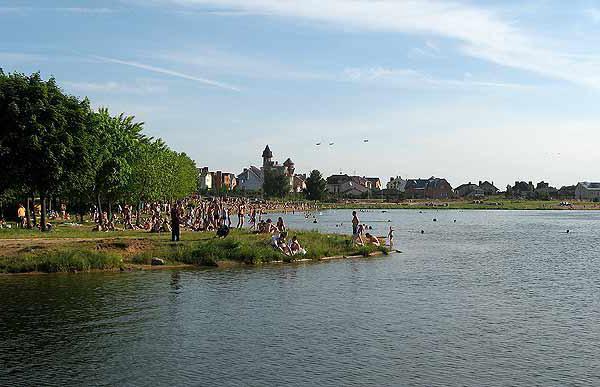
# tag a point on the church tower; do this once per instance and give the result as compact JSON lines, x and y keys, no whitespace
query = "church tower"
{"x":267,"y":156}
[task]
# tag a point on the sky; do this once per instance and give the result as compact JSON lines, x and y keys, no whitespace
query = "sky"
{"x":467,"y":90}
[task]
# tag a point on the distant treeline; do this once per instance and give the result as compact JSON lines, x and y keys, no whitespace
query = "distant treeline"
{"x":53,"y":145}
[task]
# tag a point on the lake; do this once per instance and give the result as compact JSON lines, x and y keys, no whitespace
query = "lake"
{"x":496,"y":298}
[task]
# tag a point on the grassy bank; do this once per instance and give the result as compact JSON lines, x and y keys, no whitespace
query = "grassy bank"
{"x":69,"y":249}
{"x":491,"y":203}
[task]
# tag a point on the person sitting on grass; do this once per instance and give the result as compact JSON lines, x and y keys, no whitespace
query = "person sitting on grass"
{"x":166,"y":227}
{"x":295,"y":247}
{"x":372,"y":239}
{"x":223,"y":231}
{"x":278,"y":242}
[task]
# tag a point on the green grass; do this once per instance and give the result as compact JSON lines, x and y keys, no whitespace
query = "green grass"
{"x":61,"y":261}
{"x":78,"y":249}
{"x":497,"y":202}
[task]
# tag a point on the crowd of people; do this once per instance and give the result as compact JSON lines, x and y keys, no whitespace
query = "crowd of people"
{"x":218,"y":214}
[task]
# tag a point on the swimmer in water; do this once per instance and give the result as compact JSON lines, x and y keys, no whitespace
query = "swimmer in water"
{"x":422,"y":231}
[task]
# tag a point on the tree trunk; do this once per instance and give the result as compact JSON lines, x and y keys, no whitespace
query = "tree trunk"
{"x":99,"y":204}
{"x":28,"y":214}
{"x":137,"y":217}
{"x":109,"y":210}
{"x":43,"y":214}
{"x":50,"y":204}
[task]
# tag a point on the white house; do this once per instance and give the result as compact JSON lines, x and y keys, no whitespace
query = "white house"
{"x":587,"y":191}
{"x":396,"y":183}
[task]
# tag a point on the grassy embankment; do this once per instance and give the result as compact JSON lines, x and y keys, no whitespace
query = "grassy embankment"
{"x":490,"y":203}
{"x":71,"y":249}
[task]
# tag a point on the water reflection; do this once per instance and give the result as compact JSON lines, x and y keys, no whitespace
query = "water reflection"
{"x":498,"y":298}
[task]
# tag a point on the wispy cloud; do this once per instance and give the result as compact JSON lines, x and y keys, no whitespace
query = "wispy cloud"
{"x":412,"y":78}
{"x":215,"y":61}
{"x":115,"y":87}
{"x":20,"y":57}
{"x":482,"y":33}
{"x":85,"y":10}
{"x":594,"y":14}
{"x":165,"y":71}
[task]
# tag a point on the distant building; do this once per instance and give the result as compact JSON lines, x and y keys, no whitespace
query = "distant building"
{"x":469,"y":190}
{"x":373,"y":183}
{"x":347,"y":186}
{"x":223,"y":181}
{"x":204,"y":179}
{"x":587,"y":191}
{"x":543,"y":190}
{"x":567,"y":192}
{"x":488,"y":188}
{"x":521,"y":189}
{"x":396,"y":183}
{"x":251,"y":179}
{"x":432,"y":188}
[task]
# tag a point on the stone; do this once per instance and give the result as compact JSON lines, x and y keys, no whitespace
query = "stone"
{"x":157,"y":262}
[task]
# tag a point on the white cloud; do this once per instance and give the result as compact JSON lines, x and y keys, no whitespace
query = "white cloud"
{"x":482,"y":33}
{"x":161,"y":70}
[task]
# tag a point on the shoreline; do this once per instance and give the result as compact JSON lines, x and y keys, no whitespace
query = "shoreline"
{"x":121,"y":252}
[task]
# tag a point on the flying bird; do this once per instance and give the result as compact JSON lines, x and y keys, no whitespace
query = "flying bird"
{"x":318,"y":143}
{"x":365,"y":140}
{"x":330,"y":143}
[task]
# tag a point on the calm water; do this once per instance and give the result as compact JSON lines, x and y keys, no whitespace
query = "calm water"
{"x":497,"y":298}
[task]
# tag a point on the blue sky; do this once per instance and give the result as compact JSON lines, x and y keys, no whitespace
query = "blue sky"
{"x":467,"y":90}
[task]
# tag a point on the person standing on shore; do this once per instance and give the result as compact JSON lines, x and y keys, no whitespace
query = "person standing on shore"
{"x":21,"y":216}
{"x":355,"y":223}
{"x":391,"y":237}
{"x":175,"y":222}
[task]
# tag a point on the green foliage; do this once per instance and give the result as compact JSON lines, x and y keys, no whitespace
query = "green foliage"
{"x":62,"y":261}
{"x":275,"y":184}
{"x":316,"y":186}
{"x":52,"y":144}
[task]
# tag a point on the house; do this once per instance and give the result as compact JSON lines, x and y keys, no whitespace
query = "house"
{"x":468,"y":190}
{"x":373,"y":183}
{"x":521,"y":189}
{"x":567,"y":192}
{"x":299,"y":183}
{"x":396,"y":183}
{"x":223,"y":181}
{"x":543,"y":190}
{"x":347,"y":186}
{"x":204,"y":179}
{"x":432,"y":188}
{"x":488,"y":188}
{"x":587,"y":191}
{"x":251,"y":179}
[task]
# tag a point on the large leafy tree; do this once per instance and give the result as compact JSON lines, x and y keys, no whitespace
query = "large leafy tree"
{"x":118,"y":140}
{"x":316,"y":186}
{"x":42,"y":131}
{"x":275,"y":184}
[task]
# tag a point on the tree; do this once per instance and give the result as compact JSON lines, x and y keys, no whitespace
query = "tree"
{"x":275,"y":184}
{"x":42,"y":130}
{"x":316,"y":186}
